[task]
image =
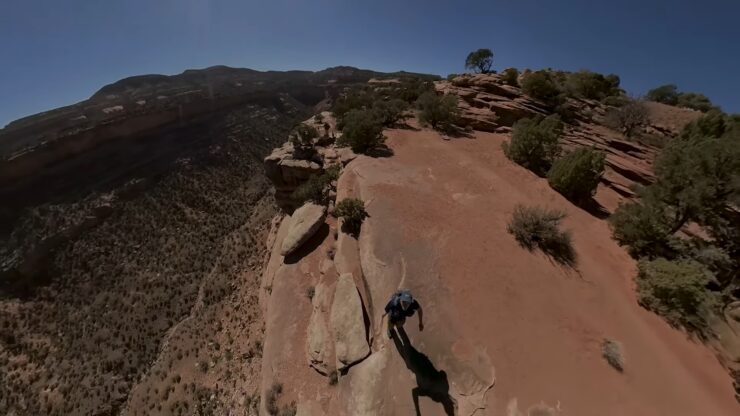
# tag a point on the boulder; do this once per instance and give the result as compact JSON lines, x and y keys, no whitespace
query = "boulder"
{"x":348,"y":323}
{"x":304,"y":223}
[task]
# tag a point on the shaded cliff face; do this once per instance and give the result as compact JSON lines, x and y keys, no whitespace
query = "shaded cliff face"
{"x":132,"y":236}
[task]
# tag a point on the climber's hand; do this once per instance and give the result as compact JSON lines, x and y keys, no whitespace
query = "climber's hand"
{"x":421,"y":326}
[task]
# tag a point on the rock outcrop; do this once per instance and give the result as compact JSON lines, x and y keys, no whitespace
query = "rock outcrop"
{"x":348,"y":323}
{"x":304,"y":222}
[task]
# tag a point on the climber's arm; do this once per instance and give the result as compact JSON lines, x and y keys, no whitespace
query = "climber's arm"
{"x":421,"y":318}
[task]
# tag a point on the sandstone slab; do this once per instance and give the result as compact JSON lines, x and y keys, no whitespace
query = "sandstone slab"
{"x":304,"y":223}
{"x":348,"y":323}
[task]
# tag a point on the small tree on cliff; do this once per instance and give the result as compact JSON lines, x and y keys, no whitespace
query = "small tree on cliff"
{"x":352,"y":211}
{"x":480,"y":61}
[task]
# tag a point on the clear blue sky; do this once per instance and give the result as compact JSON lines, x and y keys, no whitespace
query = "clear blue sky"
{"x":57,"y":52}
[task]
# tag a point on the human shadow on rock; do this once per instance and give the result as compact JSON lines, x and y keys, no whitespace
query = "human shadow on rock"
{"x":430,"y":382}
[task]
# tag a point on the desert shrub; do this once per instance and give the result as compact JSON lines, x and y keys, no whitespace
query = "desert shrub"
{"x":510,"y":76}
{"x":390,"y":112}
{"x":316,"y":188}
{"x":352,"y":211}
{"x":272,"y":397}
{"x":592,"y":85}
{"x":362,"y":131}
{"x":535,"y":142}
{"x":694,"y":101}
{"x":480,"y":60}
{"x":628,"y":119}
{"x":303,"y":135}
{"x":676,"y":290}
{"x":577,"y":174}
{"x":669,"y":94}
{"x":666,"y":94}
{"x":542,"y":85}
{"x":615,"y":100}
{"x":536,"y":227}
{"x":612,"y":352}
{"x":712,"y":124}
{"x":355,"y":99}
{"x":450,"y":77}
{"x":438,"y":111}
{"x":642,"y":225}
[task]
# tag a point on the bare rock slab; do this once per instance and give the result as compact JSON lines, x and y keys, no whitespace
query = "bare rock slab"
{"x":348,"y":323}
{"x":305,"y":221}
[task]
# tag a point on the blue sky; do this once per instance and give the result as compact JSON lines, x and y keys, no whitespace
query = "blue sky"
{"x":59,"y":52}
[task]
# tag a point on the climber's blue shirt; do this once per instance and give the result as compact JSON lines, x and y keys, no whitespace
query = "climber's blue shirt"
{"x":396,"y":312}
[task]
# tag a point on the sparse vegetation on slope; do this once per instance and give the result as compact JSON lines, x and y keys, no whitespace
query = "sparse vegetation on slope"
{"x":438,"y":111}
{"x":317,"y":187}
{"x":592,"y":85}
{"x":362,"y":131}
{"x":669,"y":94}
{"x":628,"y":119}
{"x":535,"y":143}
{"x":696,"y":182}
{"x":536,"y":227}
{"x":510,"y":76}
{"x":577,"y":174}
{"x":352,"y":212}
{"x":676,"y":290}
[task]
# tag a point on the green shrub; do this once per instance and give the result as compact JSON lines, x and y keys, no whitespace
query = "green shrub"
{"x":628,"y":119}
{"x":438,"y":111}
{"x":362,"y":131}
{"x":669,"y":94}
{"x":666,"y":94}
{"x":480,"y":60}
{"x":316,"y":188}
{"x":712,"y":124}
{"x":352,"y":211}
{"x":355,"y":99}
{"x":510,"y":76}
{"x":615,"y":100}
{"x":303,"y":135}
{"x":535,"y":227}
{"x":592,"y":85}
{"x":694,"y":101}
{"x":390,"y":112}
{"x":642,"y":225}
{"x":577,"y":174}
{"x":535,"y":143}
{"x":541,"y":85}
{"x":677,"y":291}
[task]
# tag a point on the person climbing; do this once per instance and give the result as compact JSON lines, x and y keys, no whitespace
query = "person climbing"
{"x":401,"y":306}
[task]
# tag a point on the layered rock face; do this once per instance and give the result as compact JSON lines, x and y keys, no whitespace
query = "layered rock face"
{"x":487,"y":104}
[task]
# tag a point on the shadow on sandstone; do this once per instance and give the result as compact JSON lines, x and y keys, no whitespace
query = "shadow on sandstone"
{"x":309,"y":246}
{"x":430,"y":382}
